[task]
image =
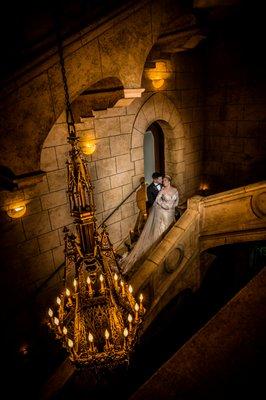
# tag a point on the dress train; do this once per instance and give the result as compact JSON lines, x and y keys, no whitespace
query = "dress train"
{"x":161,"y":217}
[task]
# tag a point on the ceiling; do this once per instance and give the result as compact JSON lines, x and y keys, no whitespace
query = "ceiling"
{"x":28,"y":28}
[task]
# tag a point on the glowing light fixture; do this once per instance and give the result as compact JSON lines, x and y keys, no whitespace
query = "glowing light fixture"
{"x":204,"y":189}
{"x":88,"y":147}
{"x":158,"y":75}
{"x":204,"y":186}
{"x":16,"y":211}
{"x":157,"y":83}
{"x":96,"y":317}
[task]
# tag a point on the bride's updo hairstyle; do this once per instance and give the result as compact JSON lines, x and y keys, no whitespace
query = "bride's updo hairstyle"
{"x":168,"y":177}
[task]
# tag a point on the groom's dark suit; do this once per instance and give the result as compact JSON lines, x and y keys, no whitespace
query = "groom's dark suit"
{"x":152,"y":191}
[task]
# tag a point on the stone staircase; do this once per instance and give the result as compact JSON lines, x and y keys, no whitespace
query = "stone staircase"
{"x":233,"y":216}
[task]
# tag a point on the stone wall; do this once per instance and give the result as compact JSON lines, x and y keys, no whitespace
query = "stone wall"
{"x":188,"y":97}
{"x":235,"y":109}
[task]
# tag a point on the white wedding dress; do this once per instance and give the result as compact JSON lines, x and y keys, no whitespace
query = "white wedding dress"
{"x":162,"y":215}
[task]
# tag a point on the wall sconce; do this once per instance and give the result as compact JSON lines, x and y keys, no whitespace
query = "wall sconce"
{"x":204,"y":189}
{"x":159,"y":74}
{"x":16,"y":211}
{"x":204,"y":186}
{"x":88,"y":147}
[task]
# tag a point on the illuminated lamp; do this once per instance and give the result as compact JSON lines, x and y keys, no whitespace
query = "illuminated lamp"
{"x":16,"y":211}
{"x":88,"y":147}
{"x":204,"y":186}
{"x":157,"y":83}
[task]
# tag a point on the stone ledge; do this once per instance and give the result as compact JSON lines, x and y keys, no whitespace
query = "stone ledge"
{"x":11,"y":182}
{"x":129,"y":96}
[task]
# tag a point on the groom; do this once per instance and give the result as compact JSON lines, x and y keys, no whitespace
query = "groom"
{"x":154,"y":188}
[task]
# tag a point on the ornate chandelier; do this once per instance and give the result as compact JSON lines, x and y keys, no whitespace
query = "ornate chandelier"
{"x":95,"y":316}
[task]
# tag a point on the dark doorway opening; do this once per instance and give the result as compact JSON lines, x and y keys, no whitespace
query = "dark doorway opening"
{"x":153,"y":151}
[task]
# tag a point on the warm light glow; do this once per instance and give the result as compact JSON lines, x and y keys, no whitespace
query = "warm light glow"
{"x":116,"y":281}
{"x":89,"y":286}
{"x":58,"y":300}
{"x":204,"y":186}
{"x":90,"y":337}
{"x":24,"y":349}
{"x":158,"y":83}
{"x":122,"y":288}
{"x":159,"y":74}
{"x":130,"y":318}
{"x":161,"y":66}
{"x":88,"y":147}
{"x":75,"y":283}
{"x":64,"y":330}
{"x":125,"y":332}
{"x":70,"y":343}
{"x":106,"y":334}
{"x":130,"y":288}
{"x":67,"y":292}
{"x":102,"y":288}
{"x":137,"y":312}
{"x":56,"y":321}
{"x":17,"y":211}
{"x":140,"y":297}
{"x":50,"y":312}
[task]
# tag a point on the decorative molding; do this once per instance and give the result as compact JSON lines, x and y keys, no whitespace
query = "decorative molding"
{"x":258,"y":204}
{"x":129,"y":96}
{"x":174,"y":258}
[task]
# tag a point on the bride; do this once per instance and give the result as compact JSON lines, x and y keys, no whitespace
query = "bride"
{"x":161,"y":216}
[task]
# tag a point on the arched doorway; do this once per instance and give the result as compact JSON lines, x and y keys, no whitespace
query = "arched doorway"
{"x":153,"y":151}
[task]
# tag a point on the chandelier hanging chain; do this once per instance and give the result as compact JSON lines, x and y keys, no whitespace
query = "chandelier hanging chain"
{"x":69,"y":114}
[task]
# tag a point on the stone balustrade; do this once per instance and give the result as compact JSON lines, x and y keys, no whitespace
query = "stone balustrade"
{"x":233,"y":216}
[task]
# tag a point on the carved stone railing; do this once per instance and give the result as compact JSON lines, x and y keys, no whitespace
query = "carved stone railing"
{"x":233,"y":216}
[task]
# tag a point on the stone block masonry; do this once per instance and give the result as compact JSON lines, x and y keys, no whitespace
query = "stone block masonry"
{"x":116,"y":167}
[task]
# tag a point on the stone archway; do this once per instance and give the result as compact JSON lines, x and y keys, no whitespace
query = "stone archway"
{"x":161,"y":109}
{"x":117,"y":47}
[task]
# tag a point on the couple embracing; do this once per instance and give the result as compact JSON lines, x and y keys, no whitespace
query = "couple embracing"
{"x":162,"y":201}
